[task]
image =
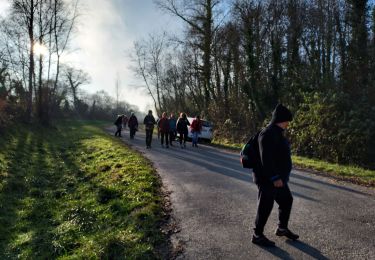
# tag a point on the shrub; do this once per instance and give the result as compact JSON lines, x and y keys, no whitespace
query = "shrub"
{"x":331,"y":127}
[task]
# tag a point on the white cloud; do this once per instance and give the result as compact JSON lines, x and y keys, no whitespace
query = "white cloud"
{"x":101,"y":44}
{"x":105,"y":36}
{"x":4,"y":7}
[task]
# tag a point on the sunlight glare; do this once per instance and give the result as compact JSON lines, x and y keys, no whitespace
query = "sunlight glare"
{"x":40,"y":49}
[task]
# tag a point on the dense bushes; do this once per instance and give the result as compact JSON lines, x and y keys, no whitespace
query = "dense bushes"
{"x":233,"y":123}
{"x":336,"y":128}
{"x":11,"y":108}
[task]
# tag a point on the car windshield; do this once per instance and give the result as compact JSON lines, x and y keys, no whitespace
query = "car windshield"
{"x":206,"y":123}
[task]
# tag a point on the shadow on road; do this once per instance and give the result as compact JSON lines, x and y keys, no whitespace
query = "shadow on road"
{"x":303,"y":185}
{"x":278,"y":252}
{"x":328,"y":184}
{"x":226,"y":164}
{"x":307,"y":249}
{"x":218,"y":165}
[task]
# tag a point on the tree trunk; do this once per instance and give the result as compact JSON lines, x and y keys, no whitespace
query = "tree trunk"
{"x":31,"y":62}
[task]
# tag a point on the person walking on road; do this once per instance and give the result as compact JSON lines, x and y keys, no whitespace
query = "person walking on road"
{"x":196,"y":128}
{"x":164,"y":129}
{"x":149,"y":123}
{"x":182,"y":129}
{"x":118,"y":124}
{"x":158,"y":130}
{"x":133,"y":125}
{"x":172,"y":129}
{"x":272,"y":176}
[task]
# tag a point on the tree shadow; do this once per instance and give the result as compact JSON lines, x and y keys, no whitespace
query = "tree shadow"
{"x":303,"y":185}
{"x":219,"y":165}
{"x":229,"y":162}
{"x":307,"y":249}
{"x":30,"y":188}
{"x":13,"y":191}
{"x":309,"y":179}
{"x":225,"y":157}
{"x":40,"y":218}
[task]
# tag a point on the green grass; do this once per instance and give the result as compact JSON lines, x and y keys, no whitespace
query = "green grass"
{"x":73,"y":192}
{"x":344,"y":172}
{"x":225,"y":143}
{"x":349,"y":173}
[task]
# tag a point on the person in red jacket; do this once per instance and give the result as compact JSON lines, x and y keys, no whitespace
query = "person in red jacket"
{"x":163,"y":126}
{"x":196,"y":128}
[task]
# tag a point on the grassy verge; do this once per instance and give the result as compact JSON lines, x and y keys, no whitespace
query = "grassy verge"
{"x":348,"y":173}
{"x":75,"y":192}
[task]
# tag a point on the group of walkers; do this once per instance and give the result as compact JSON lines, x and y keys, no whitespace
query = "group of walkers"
{"x":271,"y":172}
{"x":123,"y":121}
{"x":168,"y":128}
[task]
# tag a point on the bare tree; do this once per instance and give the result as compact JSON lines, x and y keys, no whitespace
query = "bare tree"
{"x":63,"y":23}
{"x":149,"y":57}
{"x":25,"y":11}
{"x":75,"y":79}
{"x":200,"y":17}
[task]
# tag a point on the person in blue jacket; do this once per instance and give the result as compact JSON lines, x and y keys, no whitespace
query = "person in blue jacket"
{"x":172,"y":129}
{"x":272,"y":177}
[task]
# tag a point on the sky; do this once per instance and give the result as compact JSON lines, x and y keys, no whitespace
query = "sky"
{"x":104,"y":40}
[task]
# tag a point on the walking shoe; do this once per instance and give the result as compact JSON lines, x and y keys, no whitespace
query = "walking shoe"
{"x":167,"y":146}
{"x":286,"y":233}
{"x":262,"y":241}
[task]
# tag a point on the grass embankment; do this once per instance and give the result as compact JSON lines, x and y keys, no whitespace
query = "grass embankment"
{"x":348,"y":173}
{"x":75,"y":192}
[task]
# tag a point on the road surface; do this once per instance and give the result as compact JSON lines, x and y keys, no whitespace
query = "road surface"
{"x":214,"y":202}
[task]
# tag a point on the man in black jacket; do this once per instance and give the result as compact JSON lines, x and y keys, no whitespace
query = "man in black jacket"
{"x":149,"y":122}
{"x":118,"y":124}
{"x":272,"y":177}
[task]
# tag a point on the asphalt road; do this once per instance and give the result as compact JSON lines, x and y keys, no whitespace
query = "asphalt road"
{"x":214,"y":202}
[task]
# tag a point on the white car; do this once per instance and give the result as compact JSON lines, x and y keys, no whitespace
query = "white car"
{"x":206,"y":132}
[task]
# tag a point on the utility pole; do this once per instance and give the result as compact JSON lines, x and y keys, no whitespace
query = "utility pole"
{"x":117,"y":91}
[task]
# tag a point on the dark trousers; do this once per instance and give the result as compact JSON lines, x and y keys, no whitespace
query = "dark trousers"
{"x":132,"y":132}
{"x":149,"y":136}
{"x":118,"y":132}
{"x":172,"y":136}
{"x":267,"y":194}
{"x":162,"y":134}
{"x":183,"y":137}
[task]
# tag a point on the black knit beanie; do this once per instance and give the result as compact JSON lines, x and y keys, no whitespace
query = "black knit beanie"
{"x":281,"y":114}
